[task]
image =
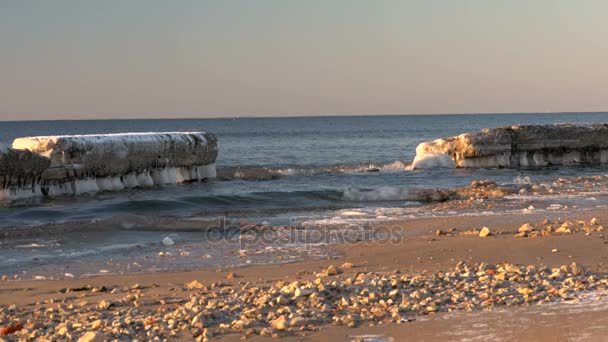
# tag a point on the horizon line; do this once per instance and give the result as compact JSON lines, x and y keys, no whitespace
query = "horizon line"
{"x":302,"y":116}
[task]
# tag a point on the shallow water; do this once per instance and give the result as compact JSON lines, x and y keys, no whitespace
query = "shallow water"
{"x":323,"y":170}
{"x":287,"y":164}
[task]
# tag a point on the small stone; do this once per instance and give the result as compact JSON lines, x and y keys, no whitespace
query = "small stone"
{"x":576,"y":269}
{"x":524,"y":290}
{"x":332,"y":271}
{"x":280,"y":323}
{"x":512,"y":268}
{"x":554,"y":250}
{"x":281,"y":300}
{"x":62,"y":330}
{"x":96,"y":324}
{"x":594,"y":221}
{"x":303,"y":292}
{"x":195,"y":284}
{"x":347,"y":265}
{"x":91,"y":336}
{"x":167,"y":241}
{"x":563,"y":230}
{"x":231,"y":275}
{"x":484,"y":232}
{"x":521,"y":235}
{"x":298,"y":322}
{"x":104,"y":305}
{"x":525,"y":228}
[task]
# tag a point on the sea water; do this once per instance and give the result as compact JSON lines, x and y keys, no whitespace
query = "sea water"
{"x":273,"y":169}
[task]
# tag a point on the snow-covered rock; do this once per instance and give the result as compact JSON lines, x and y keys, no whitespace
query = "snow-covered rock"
{"x":75,"y":164}
{"x":519,"y":146}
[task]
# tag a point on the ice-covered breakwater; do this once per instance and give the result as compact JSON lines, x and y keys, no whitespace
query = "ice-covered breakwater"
{"x":518,"y":146}
{"x":75,"y":164}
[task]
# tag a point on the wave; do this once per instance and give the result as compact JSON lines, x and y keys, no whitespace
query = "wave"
{"x":269,"y":173}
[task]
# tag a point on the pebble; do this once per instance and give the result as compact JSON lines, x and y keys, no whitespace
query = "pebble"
{"x":167,"y":241}
{"x":332,"y":271}
{"x":526,"y":228}
{"x":195,"y":284}
{"x":104,"y":305}
{"x":484,"y":232}
{"x":91,"y":336}
{"x":96,"y":324}
{"x":280,"y":323}
{"x":291,"y":308}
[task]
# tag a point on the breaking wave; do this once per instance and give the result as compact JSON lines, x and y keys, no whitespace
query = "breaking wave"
{"x":269,"y":173}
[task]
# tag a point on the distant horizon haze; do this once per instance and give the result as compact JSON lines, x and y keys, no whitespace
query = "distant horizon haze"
{"x":70,"y":60}
{"x":295,"y":116}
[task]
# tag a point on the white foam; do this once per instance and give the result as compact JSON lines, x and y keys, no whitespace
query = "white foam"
{"x":386,"y":193}
{"x":432,"y":161}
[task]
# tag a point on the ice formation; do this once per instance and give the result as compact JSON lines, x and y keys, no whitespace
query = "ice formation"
{"x":76,"y":164}
{"x":518,"y":146}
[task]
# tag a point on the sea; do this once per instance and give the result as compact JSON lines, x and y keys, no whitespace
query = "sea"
{"x":271,"y":171}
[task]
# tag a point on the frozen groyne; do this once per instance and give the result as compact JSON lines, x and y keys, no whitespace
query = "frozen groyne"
{"x":518,"y":146}
{"x":76,"y":164}
{"x":20,"y":171}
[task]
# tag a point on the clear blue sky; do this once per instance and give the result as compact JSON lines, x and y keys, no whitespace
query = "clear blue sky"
{"x":102,"y":59}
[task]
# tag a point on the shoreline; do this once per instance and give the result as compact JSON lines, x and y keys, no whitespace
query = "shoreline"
{"x":421,"y":252}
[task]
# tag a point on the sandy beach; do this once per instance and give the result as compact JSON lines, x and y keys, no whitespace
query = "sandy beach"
{"x":67,"y":309}
{"x":357,"y":171}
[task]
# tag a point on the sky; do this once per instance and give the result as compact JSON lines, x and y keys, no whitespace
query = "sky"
{"x":143,"y":59}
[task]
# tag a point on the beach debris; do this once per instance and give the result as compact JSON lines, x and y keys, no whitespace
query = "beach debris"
{"x":231,"y":275}
{"x":167,"y":241}
{"x":484,"y":232}
{"x":11,"y":329}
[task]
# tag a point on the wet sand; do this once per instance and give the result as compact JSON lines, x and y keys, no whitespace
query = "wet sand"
{"x":421,"y":251}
